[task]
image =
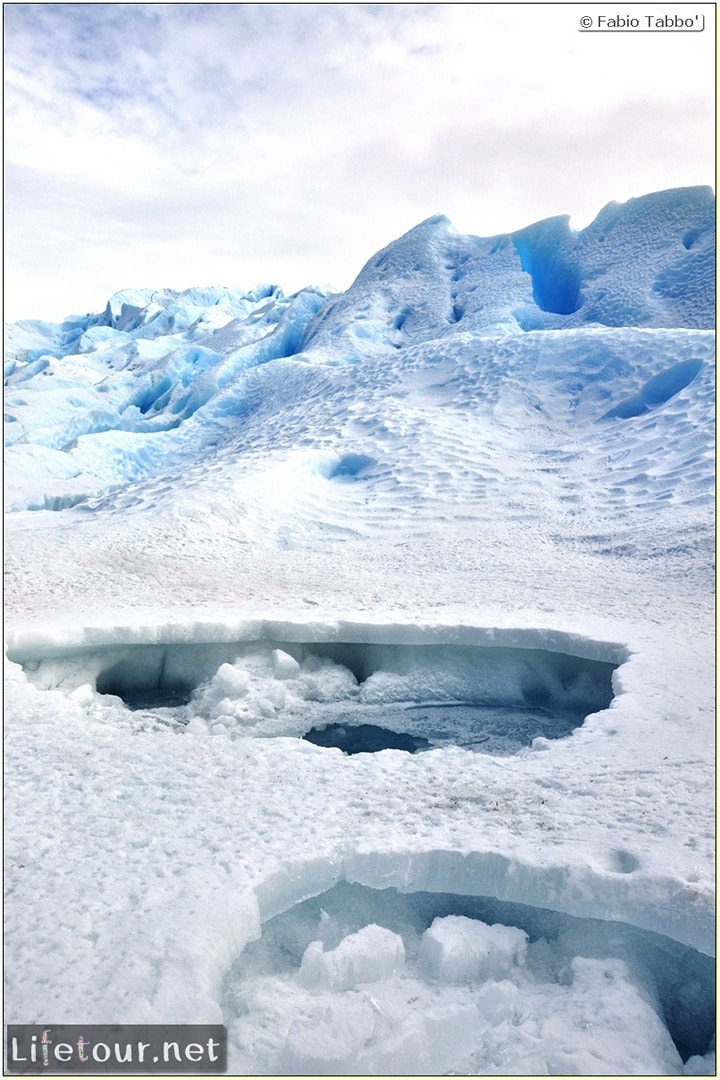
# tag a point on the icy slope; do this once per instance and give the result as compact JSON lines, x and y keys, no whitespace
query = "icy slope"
{"x":467,"y":502}
{"x":161,"y":380}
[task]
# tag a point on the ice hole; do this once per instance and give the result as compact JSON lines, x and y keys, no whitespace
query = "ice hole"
{"x":623,"y":862}
{"x":357,"y":696}
{"x":411,"y":983}
{"x":349,"y":466}
{"x":656,"y":391}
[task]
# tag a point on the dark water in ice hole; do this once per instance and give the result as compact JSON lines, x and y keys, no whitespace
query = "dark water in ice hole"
{"x":155,"y":699}
{"x":490,"y":729}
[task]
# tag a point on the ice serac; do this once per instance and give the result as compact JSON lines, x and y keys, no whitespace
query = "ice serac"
{"x":647,"y":262}
{"x":420,"y":286}
{"x":402,"y":293}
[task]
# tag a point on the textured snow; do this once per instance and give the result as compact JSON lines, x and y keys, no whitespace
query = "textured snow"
{"x":480,"y":479}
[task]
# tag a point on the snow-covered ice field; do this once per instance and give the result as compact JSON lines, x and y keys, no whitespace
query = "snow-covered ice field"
{"x":455,"y":525}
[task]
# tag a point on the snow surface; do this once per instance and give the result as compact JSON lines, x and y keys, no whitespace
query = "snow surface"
{"x":480,"y":482}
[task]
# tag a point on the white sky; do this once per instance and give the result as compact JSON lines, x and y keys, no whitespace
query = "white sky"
{"x":170,"y":145}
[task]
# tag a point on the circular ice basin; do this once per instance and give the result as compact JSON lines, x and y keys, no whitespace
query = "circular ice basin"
{"x":359,"y":697}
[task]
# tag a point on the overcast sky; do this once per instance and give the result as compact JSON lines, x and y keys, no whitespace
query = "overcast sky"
{"x":170,"y":145}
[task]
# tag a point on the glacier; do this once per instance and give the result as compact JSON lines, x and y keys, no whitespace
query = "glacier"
{"x":468,"y":503}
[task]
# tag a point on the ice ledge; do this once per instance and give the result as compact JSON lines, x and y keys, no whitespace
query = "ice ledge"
{"x":34,"y":641}
{"x":662,"y":905}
